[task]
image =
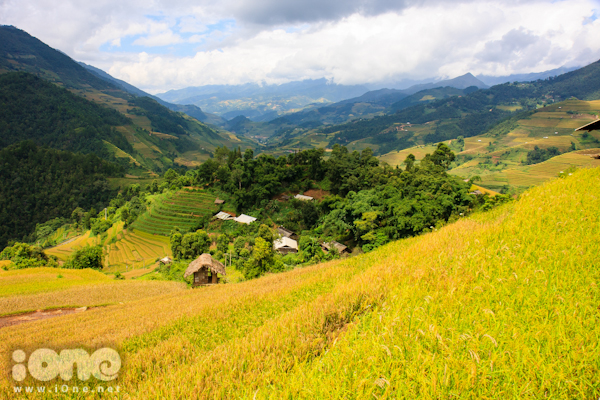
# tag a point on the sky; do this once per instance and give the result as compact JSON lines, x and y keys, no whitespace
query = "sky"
{"x":158,"y":45}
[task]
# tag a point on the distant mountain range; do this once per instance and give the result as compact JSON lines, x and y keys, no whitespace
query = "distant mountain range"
{"x":253,"y":100}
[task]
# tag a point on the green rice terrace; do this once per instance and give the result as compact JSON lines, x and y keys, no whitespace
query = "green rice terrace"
{"x":182,"y":209}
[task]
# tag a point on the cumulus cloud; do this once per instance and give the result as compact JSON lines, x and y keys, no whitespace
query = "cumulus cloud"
{"x":347,"y":41}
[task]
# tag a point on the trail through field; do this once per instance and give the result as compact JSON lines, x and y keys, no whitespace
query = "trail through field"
{"x":11,"y":320}
{"x":65,"y":242}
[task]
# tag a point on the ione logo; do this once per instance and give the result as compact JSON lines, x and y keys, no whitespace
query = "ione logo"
{"x":46,"y":364}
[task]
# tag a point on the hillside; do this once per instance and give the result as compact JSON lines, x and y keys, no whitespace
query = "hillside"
{"x":39,"y":184}
{"x":497,"y":305}
{"x":32,"y":108}
{"x":500,"y":156}
{"x":190,"y":110}
{"x":156,"y":138}
{"x":183,"y":210}
{"x":442,"y":119}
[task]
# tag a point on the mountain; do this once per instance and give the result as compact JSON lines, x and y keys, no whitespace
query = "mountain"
{"x":460,"y":82}
{"x":253,"y":100}
{"x":447,"y":118}
{"x":141,"y":134}
{"x":534,"y":76}
{"x":19,"y":51}
{"x":190,"y":110}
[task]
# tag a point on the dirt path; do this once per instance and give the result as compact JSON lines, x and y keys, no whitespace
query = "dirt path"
{"x":65,"y":242}
{"x":11,"y":320}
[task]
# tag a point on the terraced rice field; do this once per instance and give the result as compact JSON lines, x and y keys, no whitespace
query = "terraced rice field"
{"x":63,"y":251}
{"x":182,"y":209}
{"x":532,"y":175}
{"x":135,"y":249}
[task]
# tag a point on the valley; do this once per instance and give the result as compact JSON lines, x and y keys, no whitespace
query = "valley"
{"x":300,"y":240}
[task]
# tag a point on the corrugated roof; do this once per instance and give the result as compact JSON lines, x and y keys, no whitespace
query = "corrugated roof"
{"x":303,"y":197}
{"x":244,"y":219}
{"x":285,"y":242}
{"x":223,"y":215}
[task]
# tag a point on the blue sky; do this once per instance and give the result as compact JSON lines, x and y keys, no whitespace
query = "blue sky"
{"x":159,"y":45}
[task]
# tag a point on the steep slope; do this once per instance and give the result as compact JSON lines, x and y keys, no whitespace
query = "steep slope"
{"x":39,"y":184}
{"x":190,"y":110}
{"x":19,"y":51}
{"x":146,"y":135}
{"x":497,"y":305}
{"x":32,"y":108}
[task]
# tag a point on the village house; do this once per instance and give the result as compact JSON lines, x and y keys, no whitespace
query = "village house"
{"x":205,"y":269}
{"x":223,"y":216}
{"x":166,"y":261}
{"x":285,"y":245}
{"x":303,"y":197}
{"x":341,"y":249}
{"x":287,"y":233}
{"x":244,"y":219}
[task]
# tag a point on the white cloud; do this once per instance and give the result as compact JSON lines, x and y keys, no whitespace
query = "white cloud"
{"x":349,"y":41}
{"x":159,"y":39}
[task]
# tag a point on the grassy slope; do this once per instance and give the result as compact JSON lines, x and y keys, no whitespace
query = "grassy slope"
{"x":41,"y":288}
{"x":549,"y":126}
{"x":498,"y":305}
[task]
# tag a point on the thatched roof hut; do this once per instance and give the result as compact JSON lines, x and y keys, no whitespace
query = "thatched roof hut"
{"x":167,"y":260}
{"x":200,"y":268}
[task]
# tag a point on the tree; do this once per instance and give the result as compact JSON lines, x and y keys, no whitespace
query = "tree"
{"x":409,"y":161}
{"x":442,"y":156}
{"x":194,"y":244}
{"x":261,"y":259}
{"x":87,"y":257}
{"x":171,"y":176}
{"x":265,"y":233}
{"x":23,"y":255}
{"x":175,"y":242}
{"x":223,"y":243}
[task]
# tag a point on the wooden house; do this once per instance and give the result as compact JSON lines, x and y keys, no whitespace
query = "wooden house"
{"x":205,"y":269}
{"x":285,"y":245}
{"x":341,"y":249}
{"x":287,"y":233}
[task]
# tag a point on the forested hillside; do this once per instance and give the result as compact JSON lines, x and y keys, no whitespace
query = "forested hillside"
{"x":39,"y":184}
{"x":81,"y":119}
{"x":32,"y":108}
